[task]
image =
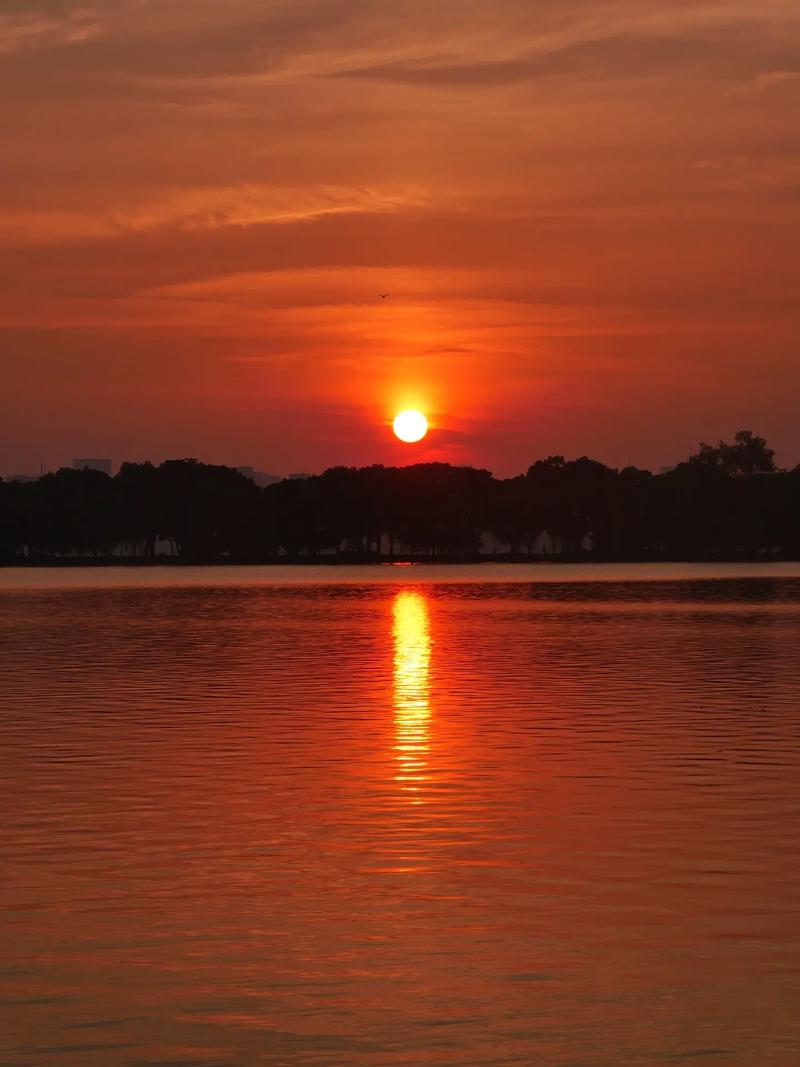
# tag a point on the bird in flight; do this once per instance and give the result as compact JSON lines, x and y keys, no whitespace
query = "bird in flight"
{"x":383,"y":296}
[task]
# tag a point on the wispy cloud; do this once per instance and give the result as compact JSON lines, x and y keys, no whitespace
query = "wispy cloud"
{"x":204,"y":209}
{"x":24,"y":31}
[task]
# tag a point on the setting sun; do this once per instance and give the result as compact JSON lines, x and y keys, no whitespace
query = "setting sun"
{"x":410,"y":426}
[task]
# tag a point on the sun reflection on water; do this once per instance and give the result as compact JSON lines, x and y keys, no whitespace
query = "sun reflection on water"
{"x":412,"y":655}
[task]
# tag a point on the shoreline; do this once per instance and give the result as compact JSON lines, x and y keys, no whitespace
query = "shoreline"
{"x":81,"y":578}
{"x":562,"y":560}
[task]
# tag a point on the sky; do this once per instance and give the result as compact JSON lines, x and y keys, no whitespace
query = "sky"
{"x":585,"y":214}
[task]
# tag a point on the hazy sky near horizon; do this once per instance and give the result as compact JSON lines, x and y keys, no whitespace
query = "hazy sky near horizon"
{"x":585,"y":213}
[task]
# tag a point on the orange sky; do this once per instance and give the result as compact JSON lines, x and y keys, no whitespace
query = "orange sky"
{"x":585,"y":211}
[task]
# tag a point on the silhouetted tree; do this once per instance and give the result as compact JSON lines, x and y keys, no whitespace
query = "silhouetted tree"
{"x":15,"y":508}
{"x":71,"y":512}
{"x":208,"y":511}
{"x":745,"y":458}
{"x":141,"y":504}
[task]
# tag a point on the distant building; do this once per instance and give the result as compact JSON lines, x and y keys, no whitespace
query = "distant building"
{"x":261,"y":478}
{"x":299,"y":477}
{"x":102,"y":465}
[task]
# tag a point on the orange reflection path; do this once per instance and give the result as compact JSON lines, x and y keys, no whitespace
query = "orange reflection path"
{"x":412,"y":656}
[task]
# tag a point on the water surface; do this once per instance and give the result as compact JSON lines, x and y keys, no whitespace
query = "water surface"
{"x":402,"y":820}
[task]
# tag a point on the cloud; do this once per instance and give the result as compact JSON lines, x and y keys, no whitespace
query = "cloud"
{"x":202,"y":209}
{"x":736,"y":51}
{"x":24,"y":30}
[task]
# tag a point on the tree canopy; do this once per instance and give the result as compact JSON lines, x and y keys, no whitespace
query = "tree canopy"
{"x":724,"y":502}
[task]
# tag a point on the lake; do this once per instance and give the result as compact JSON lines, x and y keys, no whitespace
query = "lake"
{"x":490,"y":815}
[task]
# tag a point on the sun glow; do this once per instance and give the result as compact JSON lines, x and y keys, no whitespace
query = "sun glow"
{"x":410,"y":426}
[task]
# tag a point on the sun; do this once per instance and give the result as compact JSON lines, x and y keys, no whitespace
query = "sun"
{"x":410,"y":426}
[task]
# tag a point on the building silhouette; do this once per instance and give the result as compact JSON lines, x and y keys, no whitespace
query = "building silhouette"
{"x":261,"y":478}
{"x":103,"y":465}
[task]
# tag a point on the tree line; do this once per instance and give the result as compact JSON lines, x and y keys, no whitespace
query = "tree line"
{"x":726,"y":501}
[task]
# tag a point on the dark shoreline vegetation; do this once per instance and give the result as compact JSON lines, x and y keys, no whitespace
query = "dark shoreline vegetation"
{"x":725,"y":502}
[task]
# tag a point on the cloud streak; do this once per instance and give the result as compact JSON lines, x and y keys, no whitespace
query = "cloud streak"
{"x":197,"y":210}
